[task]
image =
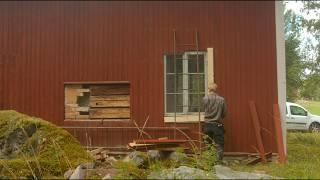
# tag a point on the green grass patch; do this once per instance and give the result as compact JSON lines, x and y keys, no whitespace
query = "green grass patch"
{"x":312,"y":106}
{"x":303,"y":158}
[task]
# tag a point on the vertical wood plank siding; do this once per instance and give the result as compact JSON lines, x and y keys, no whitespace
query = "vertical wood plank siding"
{"x":44,"y":44}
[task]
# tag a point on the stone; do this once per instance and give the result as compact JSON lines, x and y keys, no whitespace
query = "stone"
{"x":178,"y":157}
{"x":223,"y":172}
{"x":154,"y":155}
{"x":111,"y":159}
{"x":88,"y":165}
{"x":79,"y":173}
{"x":108,"y":176}
{"x":183,"y":172}
{"x":68,"y":173}
{"x":139,"y":158}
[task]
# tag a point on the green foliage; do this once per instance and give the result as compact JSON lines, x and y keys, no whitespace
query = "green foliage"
{"x":207,"y":158}
{"x":56,"y":150}
{"x":129,"y":170}
{"x":303,"y":158}
{"x":311,"y":88}
{"x":294,"y":65}
{"x":312,"y":106}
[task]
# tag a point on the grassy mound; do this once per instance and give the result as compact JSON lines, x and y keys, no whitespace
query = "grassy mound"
{"x":34,"y":148}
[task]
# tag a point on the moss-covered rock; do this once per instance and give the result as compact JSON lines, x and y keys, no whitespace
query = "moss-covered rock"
{"x":32,"y":147}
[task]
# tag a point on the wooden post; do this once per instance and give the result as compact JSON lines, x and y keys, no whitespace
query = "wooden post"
{"x":257,"y":130}
{"x":278,"y":131}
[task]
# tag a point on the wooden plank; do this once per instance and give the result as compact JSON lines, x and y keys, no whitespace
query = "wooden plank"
{"x":111,"y":89}
{"x":257,"y":130}
{"x":210,"y":67}
{"x":110,"y":101}
{"x":109,"y":113}
{"x":256,"y":160}
{"x":111,"y":98}
{"x":278,"y":132}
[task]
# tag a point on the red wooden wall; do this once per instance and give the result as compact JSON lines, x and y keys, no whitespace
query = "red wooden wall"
{"x":44,"y":44}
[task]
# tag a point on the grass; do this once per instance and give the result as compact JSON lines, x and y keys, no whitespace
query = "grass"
{"x":303,"y":159}
{"x":312,"y":106}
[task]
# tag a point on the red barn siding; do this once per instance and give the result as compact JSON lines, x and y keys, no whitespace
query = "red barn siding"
{"x":44,"y":44}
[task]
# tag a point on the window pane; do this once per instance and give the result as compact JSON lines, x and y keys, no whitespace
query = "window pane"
{"x":195,"y":101}
{"x":196,"y":81}
{"x":170,"y":83}
{"x":170,"y":103}
{"x":295,"y":110}
{"x":170,"y":64}
{"x":192,"y":63}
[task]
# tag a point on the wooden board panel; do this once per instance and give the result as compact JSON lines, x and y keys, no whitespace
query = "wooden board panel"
{"x":103,"y":90}
{"x":110,"y":101}
{"x":109,"y":113}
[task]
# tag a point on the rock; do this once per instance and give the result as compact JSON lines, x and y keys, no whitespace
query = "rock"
{"x":139,"y":158}
{"x":68,"y":173}
{"x":154,"y":155}
{"x":227,"y":173}
{"x":108,"y":176}
{"x":89,"y":165}
{"x":178,"y":157}
{"x":111,"y":159}
{"x":183,"y":172}
{"x":79,"y":173}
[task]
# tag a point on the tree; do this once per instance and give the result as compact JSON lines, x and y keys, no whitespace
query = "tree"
{"x":294,"y":65}
{"x":311,"y":87}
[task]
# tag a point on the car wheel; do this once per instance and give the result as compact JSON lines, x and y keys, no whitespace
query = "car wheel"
{"x":314,"y":127}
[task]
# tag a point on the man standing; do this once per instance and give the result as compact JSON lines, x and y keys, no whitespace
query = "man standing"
{"x":215,"y":111}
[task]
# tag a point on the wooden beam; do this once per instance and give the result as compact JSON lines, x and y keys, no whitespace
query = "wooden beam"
{"x":278,"y":132}
{"x":257,"y":130}
{"x":104,"y":90}
{"x":210,"y":67}
{"x":110,"y":101}
{"x":109,"y":113}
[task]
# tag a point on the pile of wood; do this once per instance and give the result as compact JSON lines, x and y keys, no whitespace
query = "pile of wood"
{"x":99,"y":154}
{"x":102,"y":154}
{"x":162,"y":144}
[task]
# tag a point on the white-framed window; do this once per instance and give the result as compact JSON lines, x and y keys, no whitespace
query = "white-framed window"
{"x":186,"y":81}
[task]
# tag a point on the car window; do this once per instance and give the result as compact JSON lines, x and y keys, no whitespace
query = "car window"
{"x":295,"y":110}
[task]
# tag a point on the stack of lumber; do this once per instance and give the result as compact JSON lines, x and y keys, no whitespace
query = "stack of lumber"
{"x":110,"y":101}
{"x":99,"y":154}
{"x":162,"y":144}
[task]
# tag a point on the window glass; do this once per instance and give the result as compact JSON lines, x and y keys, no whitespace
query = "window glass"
{"x":170,"y":103}
{"x":170,"y":64}
{"x":195,"y":101}
{"x":192,"y":63}
{"x":196,"y":83}
{"x":189,"y":80}
{"x":295,"y":110}
{"x":170,"y":83}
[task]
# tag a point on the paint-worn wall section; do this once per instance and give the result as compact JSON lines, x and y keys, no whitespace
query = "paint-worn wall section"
{"x":44,"y":44}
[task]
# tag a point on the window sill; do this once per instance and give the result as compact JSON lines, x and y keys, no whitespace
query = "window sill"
{"x":184,"y":118}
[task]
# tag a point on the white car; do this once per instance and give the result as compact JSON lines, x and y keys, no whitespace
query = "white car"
{"x":298,"y":118}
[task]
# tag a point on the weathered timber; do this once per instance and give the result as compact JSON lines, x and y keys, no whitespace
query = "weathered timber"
{"x":110,"y":101}
{"x":103,"y":90}
{"x":109,"y":113}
